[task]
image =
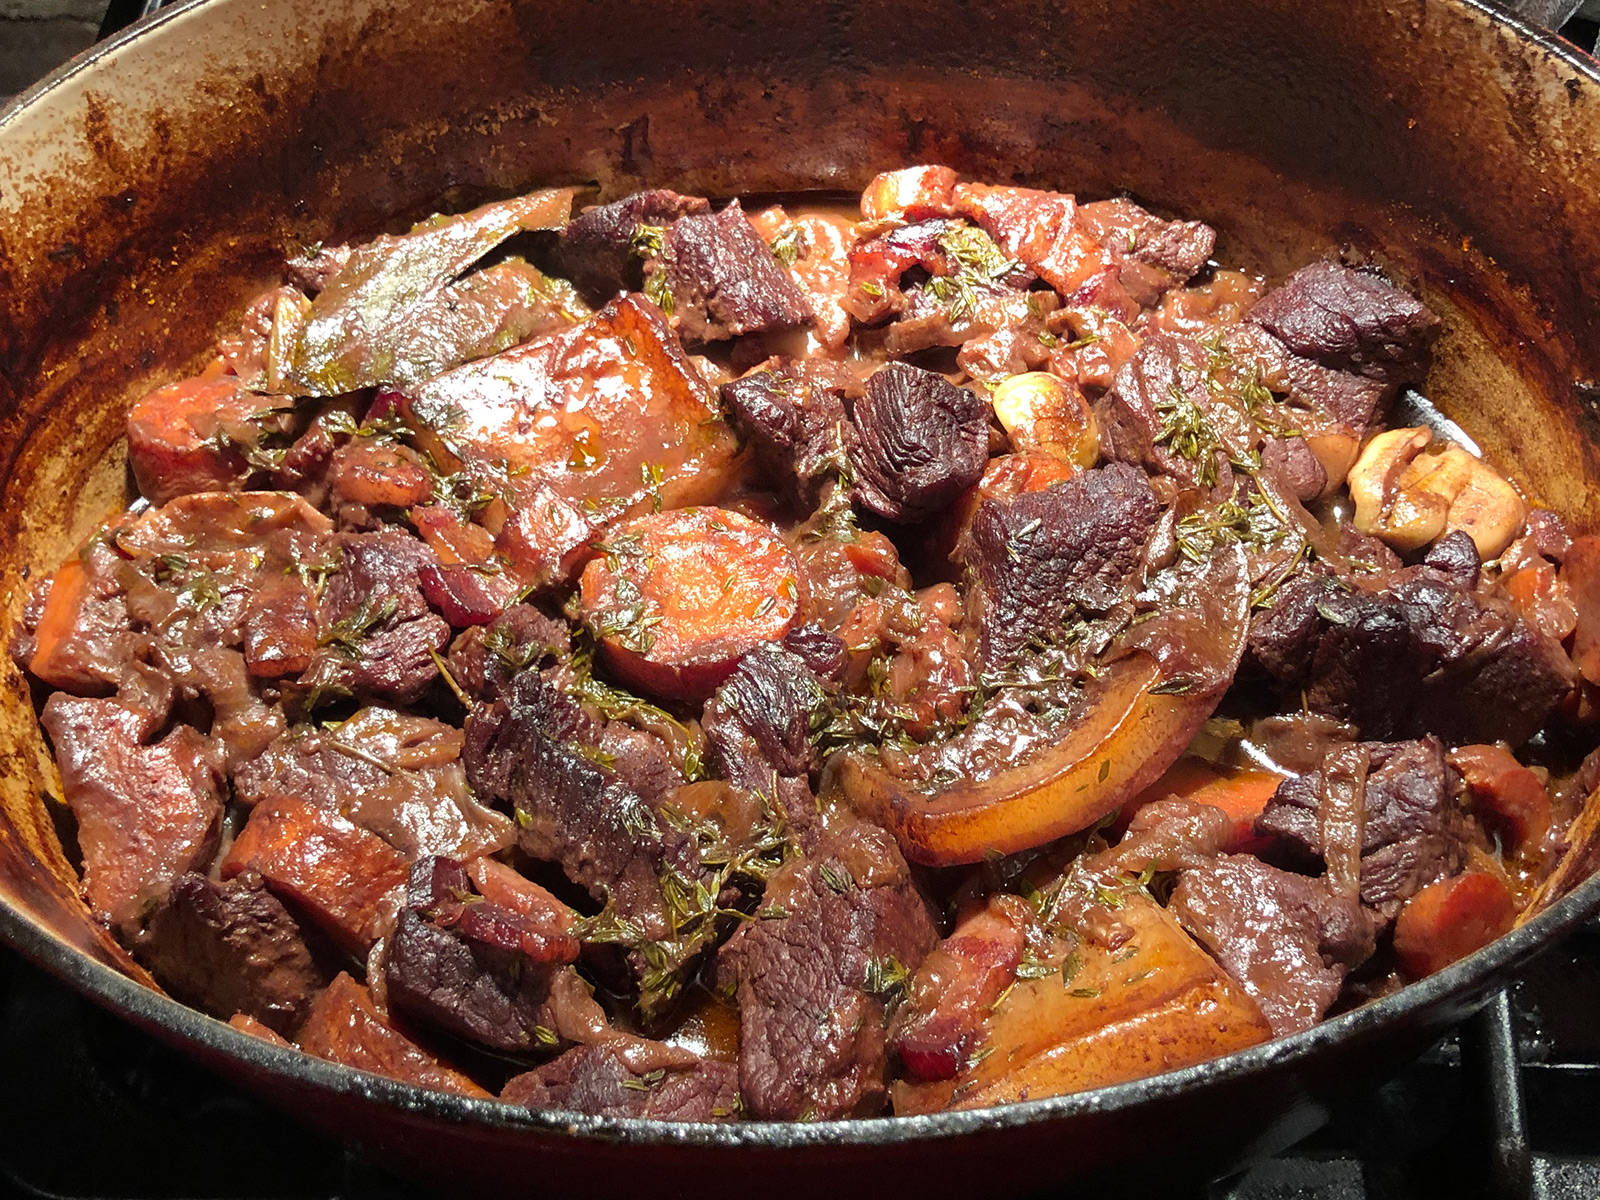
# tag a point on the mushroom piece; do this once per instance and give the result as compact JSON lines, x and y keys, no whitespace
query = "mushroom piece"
{"x":1041,"y":412}
{"x":1410,"y":491}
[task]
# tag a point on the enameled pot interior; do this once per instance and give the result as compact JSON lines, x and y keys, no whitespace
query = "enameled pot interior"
{"x":147,"y":192}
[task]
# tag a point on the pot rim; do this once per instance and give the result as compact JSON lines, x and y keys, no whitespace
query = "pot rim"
{"x":149,"y":1008}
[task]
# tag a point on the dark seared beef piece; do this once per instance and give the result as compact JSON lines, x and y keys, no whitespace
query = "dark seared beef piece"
{"x":167,"y":793}
{"x":1409,"y":652}
{"x":99,"y":653}
{"x":1286,"y":938}
{"x":461,"y":964}
{"x":1159,"y":414}
{"x":570,"y":809}
{"x":1299,"y":471}
{"x":918,"y":442}
{"x":724,"y":280}
{"x":1043,"y":556}
{"x":1455,"y":555}
{"x":485,"y":661}
{"x":377,"y":633}
{"x":1349,"y":320}
{"x":793,"y":417}
{"x":597,"y":1080}
{"x":393,"y":774}
{"x":1412,"y":827}
{"x":811,"y":1033}
{"x":758,"y":729}
{"x":823,"y":652}
{"x":595,"y":249}
{"x":231,"y":948}
{"x":1152,"y":254}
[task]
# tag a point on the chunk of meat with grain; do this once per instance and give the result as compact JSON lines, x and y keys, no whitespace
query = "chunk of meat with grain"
{"x":577,"y":429}
{"x":395,"y":775}
{"x":599,"y":250}
{"x":147,"y":812}
{"x":195,"y":435}
{"x":675,"y":598}
{"x":793,"y":415}
{"x":811,"y":972}
{"x":465,"y":965}
{"x":918,"y":442}
{"x":346,"y":1027}
{"x":232,"y":948}
{"x":1408,"y":652}
{"x":1086,"y":1012}
{"x":78,"y":635}
{"x":377,"y":636}
{"x":598,"y":1080}
{"x":574,"y":811}
{"x":1045,"y":556}
{"x":347,"y":881}
{"x":1160,"y":413}
{"x":944,"y":1016}
{"x":722,"y":279}
{"x":1044,"y":231}
{"x":759,"y":724}
{"x":1288,"y":939}
{"x":1349,"y":320}
{"x":1152,"y":254}
{"x":1384,"y":818}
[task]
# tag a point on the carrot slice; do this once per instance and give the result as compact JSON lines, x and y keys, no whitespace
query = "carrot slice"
{"x":1580,"y":571}
{"x":1450,"y":919}
{"x":69,"y":587}
{"x":1508,"y":794}
{"x":676,"y":598}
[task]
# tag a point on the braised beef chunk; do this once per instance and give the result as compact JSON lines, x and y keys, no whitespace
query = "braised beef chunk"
{"x":146,"y":813}
{"x":1455,"y":555}
{"x":763,"y":714}
{"x":571,"y":809}
{"x":470,"y":967}
{"x":1286,"y":938}
{"x":346,"y":1027}
{"x":918,"y":442}
{"x":822,"y":652}
{"x":231,"y":948}
{"x":724,"y":280}
{"x":1410,"y":652}
{"x":1404,"y":794}
{"x":398,"y":776}
{"x":1036,"y":560}
{"x":378,"y":636}
{"x":1154,"y":254}
{"x":1350,"y":320}
{"x":793,"y":416}
{"x":758,"y":728}
{"x":1159,"y":414}
{"x":807,"y":975}
{"x":596,"y":249}
{"x":598,"y":1080}
{"x":1298,"y":470}
{"x":485,"y":661}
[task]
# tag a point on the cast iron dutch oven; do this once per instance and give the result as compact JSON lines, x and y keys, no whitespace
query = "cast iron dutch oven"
{"x":149,"y":188}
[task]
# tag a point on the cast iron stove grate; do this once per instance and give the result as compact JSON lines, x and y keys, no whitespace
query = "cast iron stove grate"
{"x":1507,"y":1107}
